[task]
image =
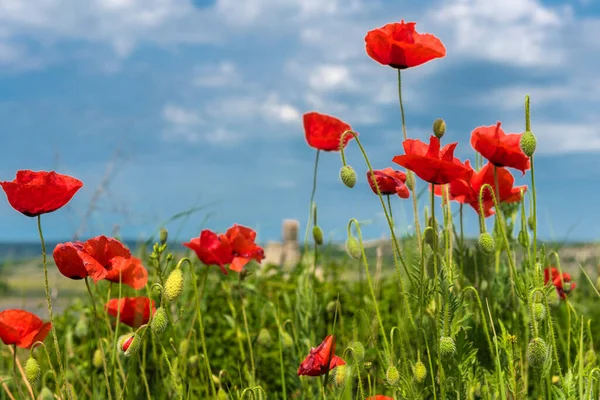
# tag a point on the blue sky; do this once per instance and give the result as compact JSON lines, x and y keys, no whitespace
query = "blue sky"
{"x":200,"y":103}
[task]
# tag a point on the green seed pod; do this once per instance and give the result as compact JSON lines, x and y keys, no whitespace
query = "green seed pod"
{"x":264,"y":338}
{"x":392,"y":376}
{"x":528,"y":143}
{"x":46,"y":394}
{"x":33,"y":372}
{"x":163,"y":236}
{"x":159,"y":321}
{"x":523,"y":238}
{"x":359,"y":350}
{"x":353,"y":248}
{"x":174,"y":284}
{"x":317,"y":235}
{"x":419,"y":372}
{"x":537,"y":353}
{"x":447,"y":346}
{"x":485,"y":243}
{"x":439,"y":128}
{"x":348,"y":176}
{"x":97,"y":359}
{"x":339,"y":375}
{"x":539,"y":311}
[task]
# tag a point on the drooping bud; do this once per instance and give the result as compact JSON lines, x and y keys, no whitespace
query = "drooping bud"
{"x":359,"y":350}
{"x":129,"y":344}
{"x":439,"y":127}
{"x":485,"y":243}
{"x":340,"y":375}
{"x":174,"y":284}
{"x":523,"y":238}
{"x":164,"y":236}
{"x":97,"y":359}
{"x":410,"y":180}
{"x":287,"y":340}
{"x":419,"y":371}
{"x":348,"y":176}
{"x":537,"y":352}
{"x":317,"y":235}
{"x":531,"y":223}
{"x":264,"y":338}
{"x":392,"y":375}
{"x":33,"y":372}
{"x":447,"y":346}
{"x":528,"y":143}
{"x":332,"y":306}
{"x":353,"y":248}
{"x":590,"y":357}
{"x":184,"y":346}
{"x":81,"y":328}
{"x":539,"y":311}
{"x":159,"y":321}
{"x":46,"y":394}
{"x":222,"y":394}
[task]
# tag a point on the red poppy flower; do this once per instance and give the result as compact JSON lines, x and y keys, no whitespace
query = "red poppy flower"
{"x":244,"y":249}
{"x":99,"y":258}
{"x":38,"y":192}
{"x":22,"y":328}
{"x":135,"y":311}
{"x":501,"y":149}
{"x":466,"y":191}
{"x":212,"y":249}
{"x":400,"y":46}
{"x":430,"y":163}
{"x":321,"y":359}
{"x":379,"y":397}
{"x":389,"y":182}
{"x":323,"y":132}
{"x":558,"y":280}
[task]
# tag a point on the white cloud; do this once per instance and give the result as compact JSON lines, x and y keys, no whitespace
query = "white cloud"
{"x":180,"y":116}
{"x":330,"y":77}
{"x":221,"y":75}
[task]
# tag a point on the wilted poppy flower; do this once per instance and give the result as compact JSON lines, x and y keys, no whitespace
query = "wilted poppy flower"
{"x":389,"y":182}
{"x":100,"y":258}
{"x":38,"y":192}
{"x":22,"y":328}
{"x":135,"y":311}
{"x":379,"y":397}
{"x":501,"y":149}
{"x":321,"y":360}
{"x":552,"y":274}
{"x":212,"y":249}
{"x":400,"y":46}
{"x":430,"y":163}
{"x":244,"y":249}
{"x":323,"y":132}
{"x":466,"y":191}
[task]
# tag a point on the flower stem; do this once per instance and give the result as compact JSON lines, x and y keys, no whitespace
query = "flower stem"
{"x":312,"y":198}
{"x":251,"y":352}
{"x":17,"y":384}
{"x":97,"y":331}
{"x":49,"y":301}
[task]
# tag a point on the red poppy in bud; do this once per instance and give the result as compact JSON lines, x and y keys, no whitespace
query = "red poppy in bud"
{"x":389,"y":182}
{"x":100,"y":258}
{"x":466,"y":191}
{"x":22,"y":328}
{"x":501,"y":149}
{"x":127,"y":343}
{"x":39,"y":192}
{"x":400,"y":46}
{"x":430,"y":163}
{"x":321,"y":360}
{"x":135,"y":311}
{"x":212,"y":249}
{"x":323,"y":132}
{"x":244,"y":249}
{"x":562,"y":282}
{"x":379,"y":397}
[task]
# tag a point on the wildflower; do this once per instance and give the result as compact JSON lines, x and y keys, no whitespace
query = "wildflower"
{"x":562,"y":282}
{"x":320,"y":360}
{"x":134,"y":311}
{"x":430,"y":163}
{"x":379,"y":397}
{"x":400,"y":46}
{"x":22,"y":328}
{"x":389,"y":182}
{"x":348,"y":176}
{"x":243,"y":246}
{"x":501,"y":149}
{"x":39,"y":192}
{"x":324,"y":132}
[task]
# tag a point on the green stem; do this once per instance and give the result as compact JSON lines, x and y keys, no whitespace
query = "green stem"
{"x":49,"y":301}
{"x":312,"y":198}
{"x":17,"y":384}
{"x":97,"y":331}
{"x":247,"y":334}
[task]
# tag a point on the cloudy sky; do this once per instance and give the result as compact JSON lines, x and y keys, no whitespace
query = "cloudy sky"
{"x":171,"y":104}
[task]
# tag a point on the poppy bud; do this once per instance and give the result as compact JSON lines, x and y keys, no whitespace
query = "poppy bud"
{"x":353,"y":248}
{"x":33,"y":372}
{"x":222,"y":394}
{"x":164,"y":236}
{"x":410,"y":180}
{"x":447,"y":346}
{"x":159,"y":321}
{"x":419,"y":372}
{"x":359,"y":350}
{"x":439,"y":128}
{"x":332,"y":306}
{"x":348,"y":176}
{"x":81,"y":328}
{"x":264,"y":338}
{"x":184,"y":346}
{"x":537,"y":353}
{"x":287,"y":340}
{"x":129,"y":344}
{"x":97,"y":359}
{"x":523,"y":238}
{"x":590,"y":357}
{"x":174,"y":284}
{"x":528,"y":143}
{"x":431,"y":236}
{"x":317,"y":235}
{"x":531,"y":223}
{"x":392,"y":375}
{"x":539,"y":311}
{"x":192,"y":364}
{"x":485,"y":243}
{"x":46,"y":394}
{"x":340,"y":374}
{"x":368,"y":365}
